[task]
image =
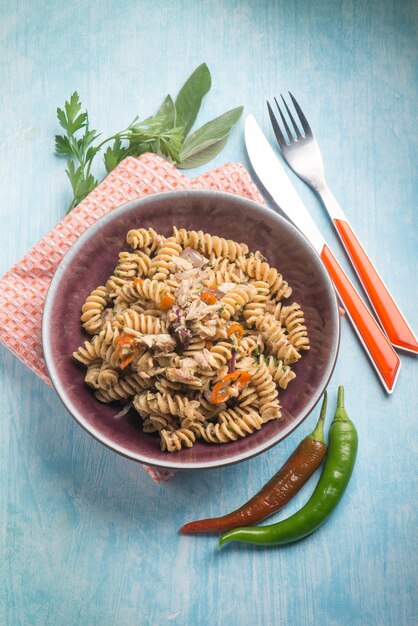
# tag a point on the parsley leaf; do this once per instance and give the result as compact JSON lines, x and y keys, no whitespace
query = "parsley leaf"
{"x":70,"y":119}
{"x":81,"y":183}
{"x":114,"y":155}
{"x":62,"y":146}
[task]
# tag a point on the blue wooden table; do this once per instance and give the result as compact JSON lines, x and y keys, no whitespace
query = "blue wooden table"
{"x":86,"y":537}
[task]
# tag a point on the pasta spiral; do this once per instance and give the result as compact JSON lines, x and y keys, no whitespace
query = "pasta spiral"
{"x":104,"y":343}
{"x":248,"y":344}
{"x":92,"y":309}
{"x":267,"y":393}
{"x":281,"y":373}
{"x":195,"y":344}
{"x":232,"y":424}
{"x":248,"y":396}
{"x":100,"y":348}
{"x":140,"y":322}
{"x":234,"y":300}
{"x":261,"y":270}
{"x":108,"y":377}
{"x":127,"y":266}
{"x":174,"y":440}
{"x":165,"y":403}
{"x":156,"y":423}
{"x":146,"y":289}
{"x":256,"y":308}
{"x":206,"y":244}
{"x":277,"y":341}
{"x":292,"y":317}
{"x":160,"y":264}
{"x":223,"y":271}
{"x":92,"y":374}
{"x":130,"y":266}
{"x":124,"y":388}
{"x":142,"y":238}
{"x":221,"y":352}
{"x":86,"y":354}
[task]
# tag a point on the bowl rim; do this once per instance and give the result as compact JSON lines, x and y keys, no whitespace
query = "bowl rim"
{"x":52,"y":369}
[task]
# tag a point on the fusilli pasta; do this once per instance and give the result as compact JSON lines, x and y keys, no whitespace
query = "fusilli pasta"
{"x":191,"y":329}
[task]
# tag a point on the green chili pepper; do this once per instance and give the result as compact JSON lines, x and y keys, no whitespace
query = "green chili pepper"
{"x":335,"y":476}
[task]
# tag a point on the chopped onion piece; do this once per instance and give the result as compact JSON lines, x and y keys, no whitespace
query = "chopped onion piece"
{"x":216,"y":292}
{"x":225,"y":287}
{"x":232,"y":361}
{"x":196,"y":259}
{"x":124,"y":411}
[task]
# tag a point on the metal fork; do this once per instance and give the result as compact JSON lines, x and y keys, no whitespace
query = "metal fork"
{"x":301,"y":151}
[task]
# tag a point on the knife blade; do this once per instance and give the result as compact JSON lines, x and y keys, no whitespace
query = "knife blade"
{"x":272,"y":175}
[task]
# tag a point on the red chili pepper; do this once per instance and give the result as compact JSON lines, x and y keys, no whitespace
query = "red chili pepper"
{"x":235,"y":329}
{"x":126,"y":362}
{"x":166,"y":301}
{"x":124,"y":340}
{"x":278,"y":491}
{"x":208,"y":298}
{"x":222,"y":389}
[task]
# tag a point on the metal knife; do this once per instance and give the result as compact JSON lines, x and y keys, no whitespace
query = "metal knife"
{"x":274,"y":178}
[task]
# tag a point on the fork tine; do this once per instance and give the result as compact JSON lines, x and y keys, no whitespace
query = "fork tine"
{"x":295,"y":126}
{"x":289,"y":132}
{"x":279,"y":135}
{"x":302,"y":118}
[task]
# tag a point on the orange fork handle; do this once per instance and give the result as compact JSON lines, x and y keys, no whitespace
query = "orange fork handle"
{"x":391,"y":318}
{"x":375,"y":342}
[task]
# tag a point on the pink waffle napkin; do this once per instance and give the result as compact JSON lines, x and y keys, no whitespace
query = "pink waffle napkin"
{"x":23,"y":288}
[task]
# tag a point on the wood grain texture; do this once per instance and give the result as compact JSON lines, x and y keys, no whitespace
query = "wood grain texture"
{"x":86,"y":537}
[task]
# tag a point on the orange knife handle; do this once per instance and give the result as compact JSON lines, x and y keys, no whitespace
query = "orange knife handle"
{"x":391,"y":318}
{"x":375,"y":342}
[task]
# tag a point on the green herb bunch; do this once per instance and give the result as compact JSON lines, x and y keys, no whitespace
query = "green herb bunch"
{"x":166,"y":133}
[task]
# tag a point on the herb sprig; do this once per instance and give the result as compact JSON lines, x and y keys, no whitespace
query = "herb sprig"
{"x":166,"y":133}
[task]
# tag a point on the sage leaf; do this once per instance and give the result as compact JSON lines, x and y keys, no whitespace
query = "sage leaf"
{"x":190,"y":97}
{"x":166,"y":114}
{"x":203,"y":153}
{"x":206,"y":142}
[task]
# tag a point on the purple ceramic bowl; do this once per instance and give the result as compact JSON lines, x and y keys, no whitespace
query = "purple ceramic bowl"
{"x":91,"y":261}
